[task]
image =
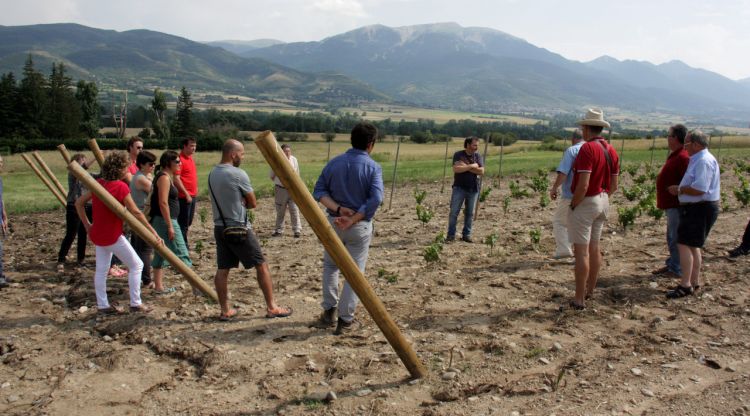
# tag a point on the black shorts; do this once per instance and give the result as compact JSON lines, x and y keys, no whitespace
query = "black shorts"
{"x":229,"y":256}
{"x":696,"y":221}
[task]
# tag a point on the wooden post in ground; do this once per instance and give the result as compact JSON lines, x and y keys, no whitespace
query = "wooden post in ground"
{"x":266,"y":142}
{"x":622,"y":147}
{"x":395,"y":167}
{"x":94,"y":146}
{"x":653,"y":148}
{"x":137,"y":227}
{"x":481,"y":178}
{"x":502,"y":147}
{"x":49,"y":173}
{"x":65,"y":154}
{"x":718,"y":154}
{"x":46,"y":181}
{"x":445,"y":163}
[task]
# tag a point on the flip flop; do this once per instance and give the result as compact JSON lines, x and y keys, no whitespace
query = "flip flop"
{"x":271,"y":315}
{"x":165,"y":291}
{"x":229,"y":315}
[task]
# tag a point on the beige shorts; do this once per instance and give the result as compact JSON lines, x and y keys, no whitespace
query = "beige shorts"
{"x":585,"y":223}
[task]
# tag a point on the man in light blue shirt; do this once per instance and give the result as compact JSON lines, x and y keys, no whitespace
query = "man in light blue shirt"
{"x":564,"y":178}
{"x":351,"y":189}
{"x":699,"y":193}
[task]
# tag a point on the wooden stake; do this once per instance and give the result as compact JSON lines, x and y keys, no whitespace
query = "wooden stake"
{"x":445,"y":163}
{"x":137,"y":227}
{"x":49,"y":173}
{"x":64,"y":152}
{"x":395,"y":167}
{"x":653,"y":148}
{"x":266,"y":142}
{"x":481,"y":178}
{"x":502,"y":147}
{"x":94,"y":146}
{"x":46,"y":181}
{"x":718,"y":158}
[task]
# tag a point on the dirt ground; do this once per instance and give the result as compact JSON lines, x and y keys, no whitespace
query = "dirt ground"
{"x":487,"y":326}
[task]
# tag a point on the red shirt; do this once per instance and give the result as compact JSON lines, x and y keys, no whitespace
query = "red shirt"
{"x":671,"y":174}
{"x":133,"y":169}
{"x":591,"y":159}
{"x":188,"y":175}
{"x":107,"y":226}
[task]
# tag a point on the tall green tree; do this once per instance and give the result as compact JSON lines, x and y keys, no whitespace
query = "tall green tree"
{"x":159,"y":114}
{"x":63,"y":114}
{"x":184,"y":125}
{"x":8,"y":106}
{"x":86,"y":95}
{"x":32,"y":98}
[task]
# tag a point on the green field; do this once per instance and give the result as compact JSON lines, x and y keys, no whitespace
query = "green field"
{"x":417,"y":163}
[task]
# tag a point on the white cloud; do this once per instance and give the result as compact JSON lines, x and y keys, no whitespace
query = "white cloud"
{"x":351,"y":8}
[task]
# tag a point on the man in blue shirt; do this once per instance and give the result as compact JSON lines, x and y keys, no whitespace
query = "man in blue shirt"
{"x":467,"y":167}
{"x":351,"y":189}
{"x":699,"y":193}
{"x":564,"y":178}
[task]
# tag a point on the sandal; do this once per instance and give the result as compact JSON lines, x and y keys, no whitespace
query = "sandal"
{"x":165,"y":291}
{"x":141,"y":309}
{"x":112,"y":310}
{"x":271,"y":315}
{"x":576,"y":306}
{"x":230,"y":315}
{"x":679,"y":292}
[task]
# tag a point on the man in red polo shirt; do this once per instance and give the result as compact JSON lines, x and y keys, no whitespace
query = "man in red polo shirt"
{"x":596,"y":171}
{"x":186,"y":181}
{"x":671,"y":174}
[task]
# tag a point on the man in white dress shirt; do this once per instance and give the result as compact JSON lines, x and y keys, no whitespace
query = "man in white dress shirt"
{"x":283,"y":200}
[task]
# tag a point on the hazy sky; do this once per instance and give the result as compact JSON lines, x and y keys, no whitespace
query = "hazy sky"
{"x":711,"y":35}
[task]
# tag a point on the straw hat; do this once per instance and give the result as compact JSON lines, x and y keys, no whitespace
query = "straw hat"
{"x":594,"y":117}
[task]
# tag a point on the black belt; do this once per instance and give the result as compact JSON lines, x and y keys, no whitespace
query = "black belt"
{"x":279,"y":186}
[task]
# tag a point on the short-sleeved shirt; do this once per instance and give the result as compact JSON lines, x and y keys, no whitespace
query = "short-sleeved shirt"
{"x":467,"y":180}
{"x":354,"y":181}
{"x":139,"y":195}
{"x":295,"y":167}
{"x":188,"y":175}
{"x":133,"y":168}
{"x":566,"y":168}
{"x":702,"y":174}
{"x":671,"y":174}
{"x":591,"y":159}
{"x":75,"y":189}
{"x":107,"y":226}
{"x":229,"y":185}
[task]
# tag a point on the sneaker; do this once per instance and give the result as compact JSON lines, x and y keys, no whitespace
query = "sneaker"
{"x":679,"y":292}
{"x":343,"y":327}
{"x":3,"y":282}
{"x":467,"y":239}
{"x":297,"y":235}
{"x":739,"y":251}
{"x":276,"y":234}
{"x":450,"y":238}
{"x":327,"y":318}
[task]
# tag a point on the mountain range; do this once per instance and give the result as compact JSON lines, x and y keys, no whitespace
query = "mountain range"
{"x":436,"y":65}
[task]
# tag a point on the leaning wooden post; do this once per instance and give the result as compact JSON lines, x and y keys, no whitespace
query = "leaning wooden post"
{"x":395,"y":167}
{"x":65,"y":154}
{"x":94,"y":146}
{"x":266,"y":142}
{"x":481,"y":178}
{"x":46,"y":181}
{"x":49,"y":173}
{"x":137,"y":227}
{"x":445,"y":163}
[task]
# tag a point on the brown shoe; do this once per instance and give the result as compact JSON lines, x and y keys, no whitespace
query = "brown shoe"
{"x":343,"y":327}
{"x":141,"y":309}
{"x":327,"y":318}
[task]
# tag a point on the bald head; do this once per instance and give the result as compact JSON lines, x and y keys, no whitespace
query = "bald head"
{"x":232,"y":152}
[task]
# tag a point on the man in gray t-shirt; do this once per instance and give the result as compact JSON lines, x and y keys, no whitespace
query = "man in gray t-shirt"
{"x":231,"y":195}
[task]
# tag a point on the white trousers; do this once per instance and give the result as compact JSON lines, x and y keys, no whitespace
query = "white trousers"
{"x":560,"y":228}
{"x":124,"y":251}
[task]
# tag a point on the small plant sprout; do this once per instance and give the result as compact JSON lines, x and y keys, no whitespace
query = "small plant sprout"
{"x":516,"y":191}
{"x":432,"y":252}
{"x":627,"y":216}
{"x":535,"y":234}
{"x":491,"y":240}
{"x":539,"y":183}
{"x":424,"y":214}
{"x":632,"y":193}
{"x":543,"y":200}
{"x":419,"y":195}
{"x":506,"y":204}
{"x":388,"y":276}
{"x":250,"y":216}
{"x":742,"y":193}
{"x":199,"y":247}
{"x":725,"y":207}
{"x":632,"y":169}
{"x":440,"y":238}
{"x":203,"y":215}
{"x":485,"y":193}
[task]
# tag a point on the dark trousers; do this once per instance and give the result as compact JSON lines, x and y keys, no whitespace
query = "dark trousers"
{"x":746,"y":237}
{"x":185,"y":217}
{"x":144,"y":252}
{"x":73,"y":227}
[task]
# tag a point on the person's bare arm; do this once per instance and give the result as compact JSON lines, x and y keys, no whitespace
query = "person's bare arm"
{"x":143,"y":183}
{"x":558,"y":182}
{"x":163,"y":197}
{"x":81,"y":210}
{"x":181,"y":187}
{"x":334,"y":206}
{"x":133,"y":209}
{"x":250,"y":201}
{"x":461,"y":167}
{"x":685,"y":190}
{"x":479,"y":170}
{"x":614,"y":181}
{"x":5,"y":221}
